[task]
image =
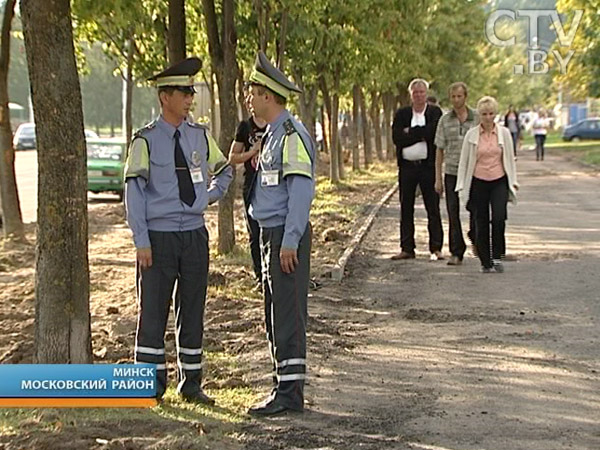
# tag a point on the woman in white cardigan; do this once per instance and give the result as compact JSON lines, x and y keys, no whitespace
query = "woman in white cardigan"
{"x":487,"y":178}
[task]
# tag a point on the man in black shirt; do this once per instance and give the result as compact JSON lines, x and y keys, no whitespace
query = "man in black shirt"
{"x":244,"y":149}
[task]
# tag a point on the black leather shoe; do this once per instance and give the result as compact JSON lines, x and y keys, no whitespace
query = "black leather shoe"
{"x":271,"y":408}
{"x":403,"y":255}
{"x":198,"y":397}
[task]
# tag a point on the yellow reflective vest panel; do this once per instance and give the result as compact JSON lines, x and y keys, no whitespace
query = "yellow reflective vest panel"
{"x":216,"y":160}
{"x":296,"y":158}
{"x":138,"y":159}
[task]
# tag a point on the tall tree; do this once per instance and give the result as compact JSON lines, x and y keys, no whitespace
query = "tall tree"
{"x":222,"y":45}
{"x":582,"y":76}
{"x":9,"y":200}
{"x":354,"y":127}
{"x":132,"y":32}
{"x":376,"y":122}
{"x":62,"y":315}
{"x":366,"y":129}
{"x":176,"y":35}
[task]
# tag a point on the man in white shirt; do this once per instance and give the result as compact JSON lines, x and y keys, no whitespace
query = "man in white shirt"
{"x":413,"y":132}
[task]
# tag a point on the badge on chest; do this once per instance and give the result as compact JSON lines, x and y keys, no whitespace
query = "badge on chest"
{"x":196,"y":172}
{"x":269,"y":178}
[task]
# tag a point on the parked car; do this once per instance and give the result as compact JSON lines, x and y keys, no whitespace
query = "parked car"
{"x":24,"y":138}
{"x":584,"y":129}
{"x":105,"y":163}
{"x":90,"y":134}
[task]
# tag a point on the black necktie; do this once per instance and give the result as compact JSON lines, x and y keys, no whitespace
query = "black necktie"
{"x":184,"y":179}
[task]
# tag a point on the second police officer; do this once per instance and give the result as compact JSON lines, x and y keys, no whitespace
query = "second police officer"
{"x":281,"y":198}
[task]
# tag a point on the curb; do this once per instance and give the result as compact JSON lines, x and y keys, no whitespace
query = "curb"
{"x":337,"y":272}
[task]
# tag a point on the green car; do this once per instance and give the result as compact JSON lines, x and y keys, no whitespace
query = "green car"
{"x":105,"y":163}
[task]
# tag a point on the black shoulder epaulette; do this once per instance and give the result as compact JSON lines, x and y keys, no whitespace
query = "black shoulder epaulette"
{"x":196,"y":125}
{"x":142,"y":130}
{"x":289,"y":127}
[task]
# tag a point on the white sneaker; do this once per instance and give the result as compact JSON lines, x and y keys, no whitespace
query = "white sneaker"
{"x":498,"y":266}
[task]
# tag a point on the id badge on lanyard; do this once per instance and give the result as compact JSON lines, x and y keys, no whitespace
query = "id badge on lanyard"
{"x":269,"y":178}
{"x":196,"y":174}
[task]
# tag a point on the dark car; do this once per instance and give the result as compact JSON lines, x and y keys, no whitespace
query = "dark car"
{"x":105,"y":162}
{"x":24,"y":138}
{"x":585,"y":129}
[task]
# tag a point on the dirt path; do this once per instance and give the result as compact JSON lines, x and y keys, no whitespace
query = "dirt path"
{"x":421,"y":355}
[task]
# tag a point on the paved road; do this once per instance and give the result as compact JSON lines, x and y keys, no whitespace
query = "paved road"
{"x":26,"y":169}
{"x":435,"y":357}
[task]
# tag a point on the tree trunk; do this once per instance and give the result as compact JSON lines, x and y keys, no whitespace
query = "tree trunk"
{"x":241,"y":94}
{"x":307,"y":102}
{"x":331,"y":109}
{"x":222,"y":51}
{"x":210,"y":84}
{"x":62,"y":314}
{"x":403,"y":97}
{"x":129,"y":93}
{"x":375,"y":120}
{"x":281,"y":39}
{"x":262,"y":12}
{"x":335,"y":110}
{"x":176,"y":33}
{"x":354,"y":127}
{"x":9,"y":195}
{"x":388,"y":112}
{"x":325,"y":129}
{"x":366,"y":130}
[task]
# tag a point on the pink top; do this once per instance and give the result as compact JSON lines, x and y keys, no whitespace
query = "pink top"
{"x":489,"y":165}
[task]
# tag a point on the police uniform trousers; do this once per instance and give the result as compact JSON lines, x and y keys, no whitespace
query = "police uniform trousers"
{"x":177,"y":257}
{"x":286,"y":298}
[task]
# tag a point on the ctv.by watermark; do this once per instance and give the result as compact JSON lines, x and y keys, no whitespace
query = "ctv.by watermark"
{"x":536,"y":57}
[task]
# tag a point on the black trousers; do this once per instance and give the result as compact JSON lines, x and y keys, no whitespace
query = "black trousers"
{"x":286,"y":312}
{"x":182,"y":257}
{"x":254,"y":238}
{"x":457,"y":242}
{"x":540,"y":140}
{"x":515,"y":137}
{"x":488,"y":195}
{"x":410,"y":175}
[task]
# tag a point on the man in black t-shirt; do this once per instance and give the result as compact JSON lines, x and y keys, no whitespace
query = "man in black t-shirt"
{"x":244,"y":149}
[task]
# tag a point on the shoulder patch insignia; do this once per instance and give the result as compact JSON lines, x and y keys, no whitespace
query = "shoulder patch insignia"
{"x":289,"y":127}
{"x":196,"y":125}
{"x":148,"y":127}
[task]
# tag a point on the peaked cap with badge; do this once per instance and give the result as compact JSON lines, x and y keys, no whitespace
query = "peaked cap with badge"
{"x":179,"y":76}
{"x":269,"y":76}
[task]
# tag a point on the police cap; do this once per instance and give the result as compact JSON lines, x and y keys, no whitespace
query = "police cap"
{"x":179,"y":76}
{"x":266,"y":74}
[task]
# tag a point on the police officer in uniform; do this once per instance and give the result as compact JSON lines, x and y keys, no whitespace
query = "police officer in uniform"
{"x":281,"y":198}
{"x":174,"y":171}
